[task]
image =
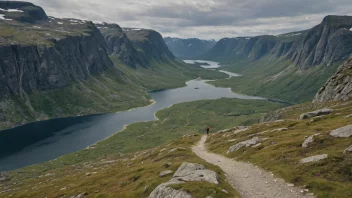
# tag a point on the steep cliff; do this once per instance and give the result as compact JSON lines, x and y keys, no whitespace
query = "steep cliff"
{"x":149,"y":44}
{"x":339,"y":86}
{"x":327,"y":43}
{"x":49,"y":55}
{"x":189,"y":48}
{"x":118,"y":44}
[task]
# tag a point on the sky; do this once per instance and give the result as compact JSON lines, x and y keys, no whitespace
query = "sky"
{"x":205,"y":19}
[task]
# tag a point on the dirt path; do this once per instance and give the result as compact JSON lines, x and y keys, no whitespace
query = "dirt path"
{"x":248,"y":180}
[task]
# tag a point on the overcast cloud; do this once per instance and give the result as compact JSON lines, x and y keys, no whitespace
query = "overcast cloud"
{"x":206,"y":19}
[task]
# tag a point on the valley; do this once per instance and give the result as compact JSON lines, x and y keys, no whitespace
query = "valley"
{"x":100,"y":109}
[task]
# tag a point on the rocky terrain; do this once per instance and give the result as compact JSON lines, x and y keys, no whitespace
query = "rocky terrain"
{"x":191,"y":48}
{"x":339,"y":86}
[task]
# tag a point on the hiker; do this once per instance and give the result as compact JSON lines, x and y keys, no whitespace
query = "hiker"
{"x":207,"y":129}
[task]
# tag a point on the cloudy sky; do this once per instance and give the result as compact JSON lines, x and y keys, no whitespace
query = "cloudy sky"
{"x":207,"y":19}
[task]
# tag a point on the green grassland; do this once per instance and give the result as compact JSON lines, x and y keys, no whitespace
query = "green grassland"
{"x":119,"y":175}
{"x":282,"y":151}
{"x":277,"y":79}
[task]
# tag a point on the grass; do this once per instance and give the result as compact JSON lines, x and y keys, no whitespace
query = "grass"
{"x":274,"y":78}
{"x":139,"y":177}
{"x":282,"y":151}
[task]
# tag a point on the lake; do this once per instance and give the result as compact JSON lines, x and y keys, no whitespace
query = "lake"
{"x":46,"y":140}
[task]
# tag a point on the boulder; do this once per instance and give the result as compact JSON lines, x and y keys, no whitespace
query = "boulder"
{"x":348,"y":150}
{"x":246,"y":143}
{"x":4,"y":176}
{"x":163,"y":191}
{"x":309,"y":140}
{"x":342,"y":132}
{"x":185,"y":173}
{"x":164,"y":173}
{"x":313,"y":158}
{"x":195,"y":172}
{"x":316,"y":113}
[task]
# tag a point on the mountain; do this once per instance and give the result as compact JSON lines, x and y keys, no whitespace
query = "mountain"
{"x":118,"y":44}
{"x":291,"y":66}
{"x":189,"y":48}
{"x":327,"y":43}
{"x":51,"y":67}
{"x":149,"y":44}
{"x":339,"y":86}
{"x":22,"y":11}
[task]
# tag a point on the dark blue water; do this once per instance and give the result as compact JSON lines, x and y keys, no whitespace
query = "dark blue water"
{"x":46,"y":140}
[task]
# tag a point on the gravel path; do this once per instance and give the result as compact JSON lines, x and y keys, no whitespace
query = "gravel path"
{"x":248,"y":180}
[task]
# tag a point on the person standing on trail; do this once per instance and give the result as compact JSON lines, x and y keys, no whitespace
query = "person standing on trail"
{"x":207,"y":129}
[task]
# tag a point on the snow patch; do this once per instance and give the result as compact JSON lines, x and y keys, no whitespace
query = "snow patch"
{"x":37,"y":27}
{"x":248,"y":38}
{"x":351,"y":29}
{"x":3,"y":18}
{"x":11,"y":10}
{"x":60,"y":23}
{"x":189,"y":45}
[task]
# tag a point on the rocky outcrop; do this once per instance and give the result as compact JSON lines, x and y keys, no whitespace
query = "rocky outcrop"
{"x":338,"y":87}
{"x":187,"y":172}
{"x":316,"y":113}
{"x":246,"y":143}
{"x":189,"y":48}
{"x":313,"y":158}
{"x":343,"y":132}
{"x":309,"y":140}
{"x":119,"y":45}
{"x":26,"y":12}
{"x":4,"y":176}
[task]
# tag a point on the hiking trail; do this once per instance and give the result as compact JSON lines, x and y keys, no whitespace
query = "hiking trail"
{"x":249,"y":180}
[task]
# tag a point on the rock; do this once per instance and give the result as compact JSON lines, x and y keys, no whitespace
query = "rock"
{"x":82,"y":195}
{"x":163,"y":191}
{"x":167,"y":165}
{"x":342,"y":132}
{"x":339,"y":86}
{"x":164,"y":173}
{"x":209,"y":197}
{"x":348,"y":150}
{"x":290,"y":185}
{"x":195,"y":172}
{"x":232,"y":140}
{"x":280,"y":129}
{"x":313,"y":158}
{"x":4,"y":176}
{"x":315,"y":113}
{"x":187,"y":172}
{"x":309,"y":140}
{"x":257,"y":145}
{"x":246,"y":143}
{"x":176,"y":149}
{"x":225,"y":191}
{"x":88,"y":174}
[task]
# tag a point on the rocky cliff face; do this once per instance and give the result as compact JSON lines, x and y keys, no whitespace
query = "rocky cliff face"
{"x":327,"y":43}
{"x":29,"y":67}
{"x":22,"y":11}
{"x":119,"y":45}
{"x":339,"y":86}
{"x":189,"y":48}
{"x":149,"y":44}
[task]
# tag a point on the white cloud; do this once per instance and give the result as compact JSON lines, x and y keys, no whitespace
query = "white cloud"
{"x":202,"y":18}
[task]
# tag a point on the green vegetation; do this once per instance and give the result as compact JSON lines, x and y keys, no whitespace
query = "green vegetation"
{"x":120,"y":88}
{"x":275,"y":79}
{"x":119,"y":175}
{"x":282,"y":151}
